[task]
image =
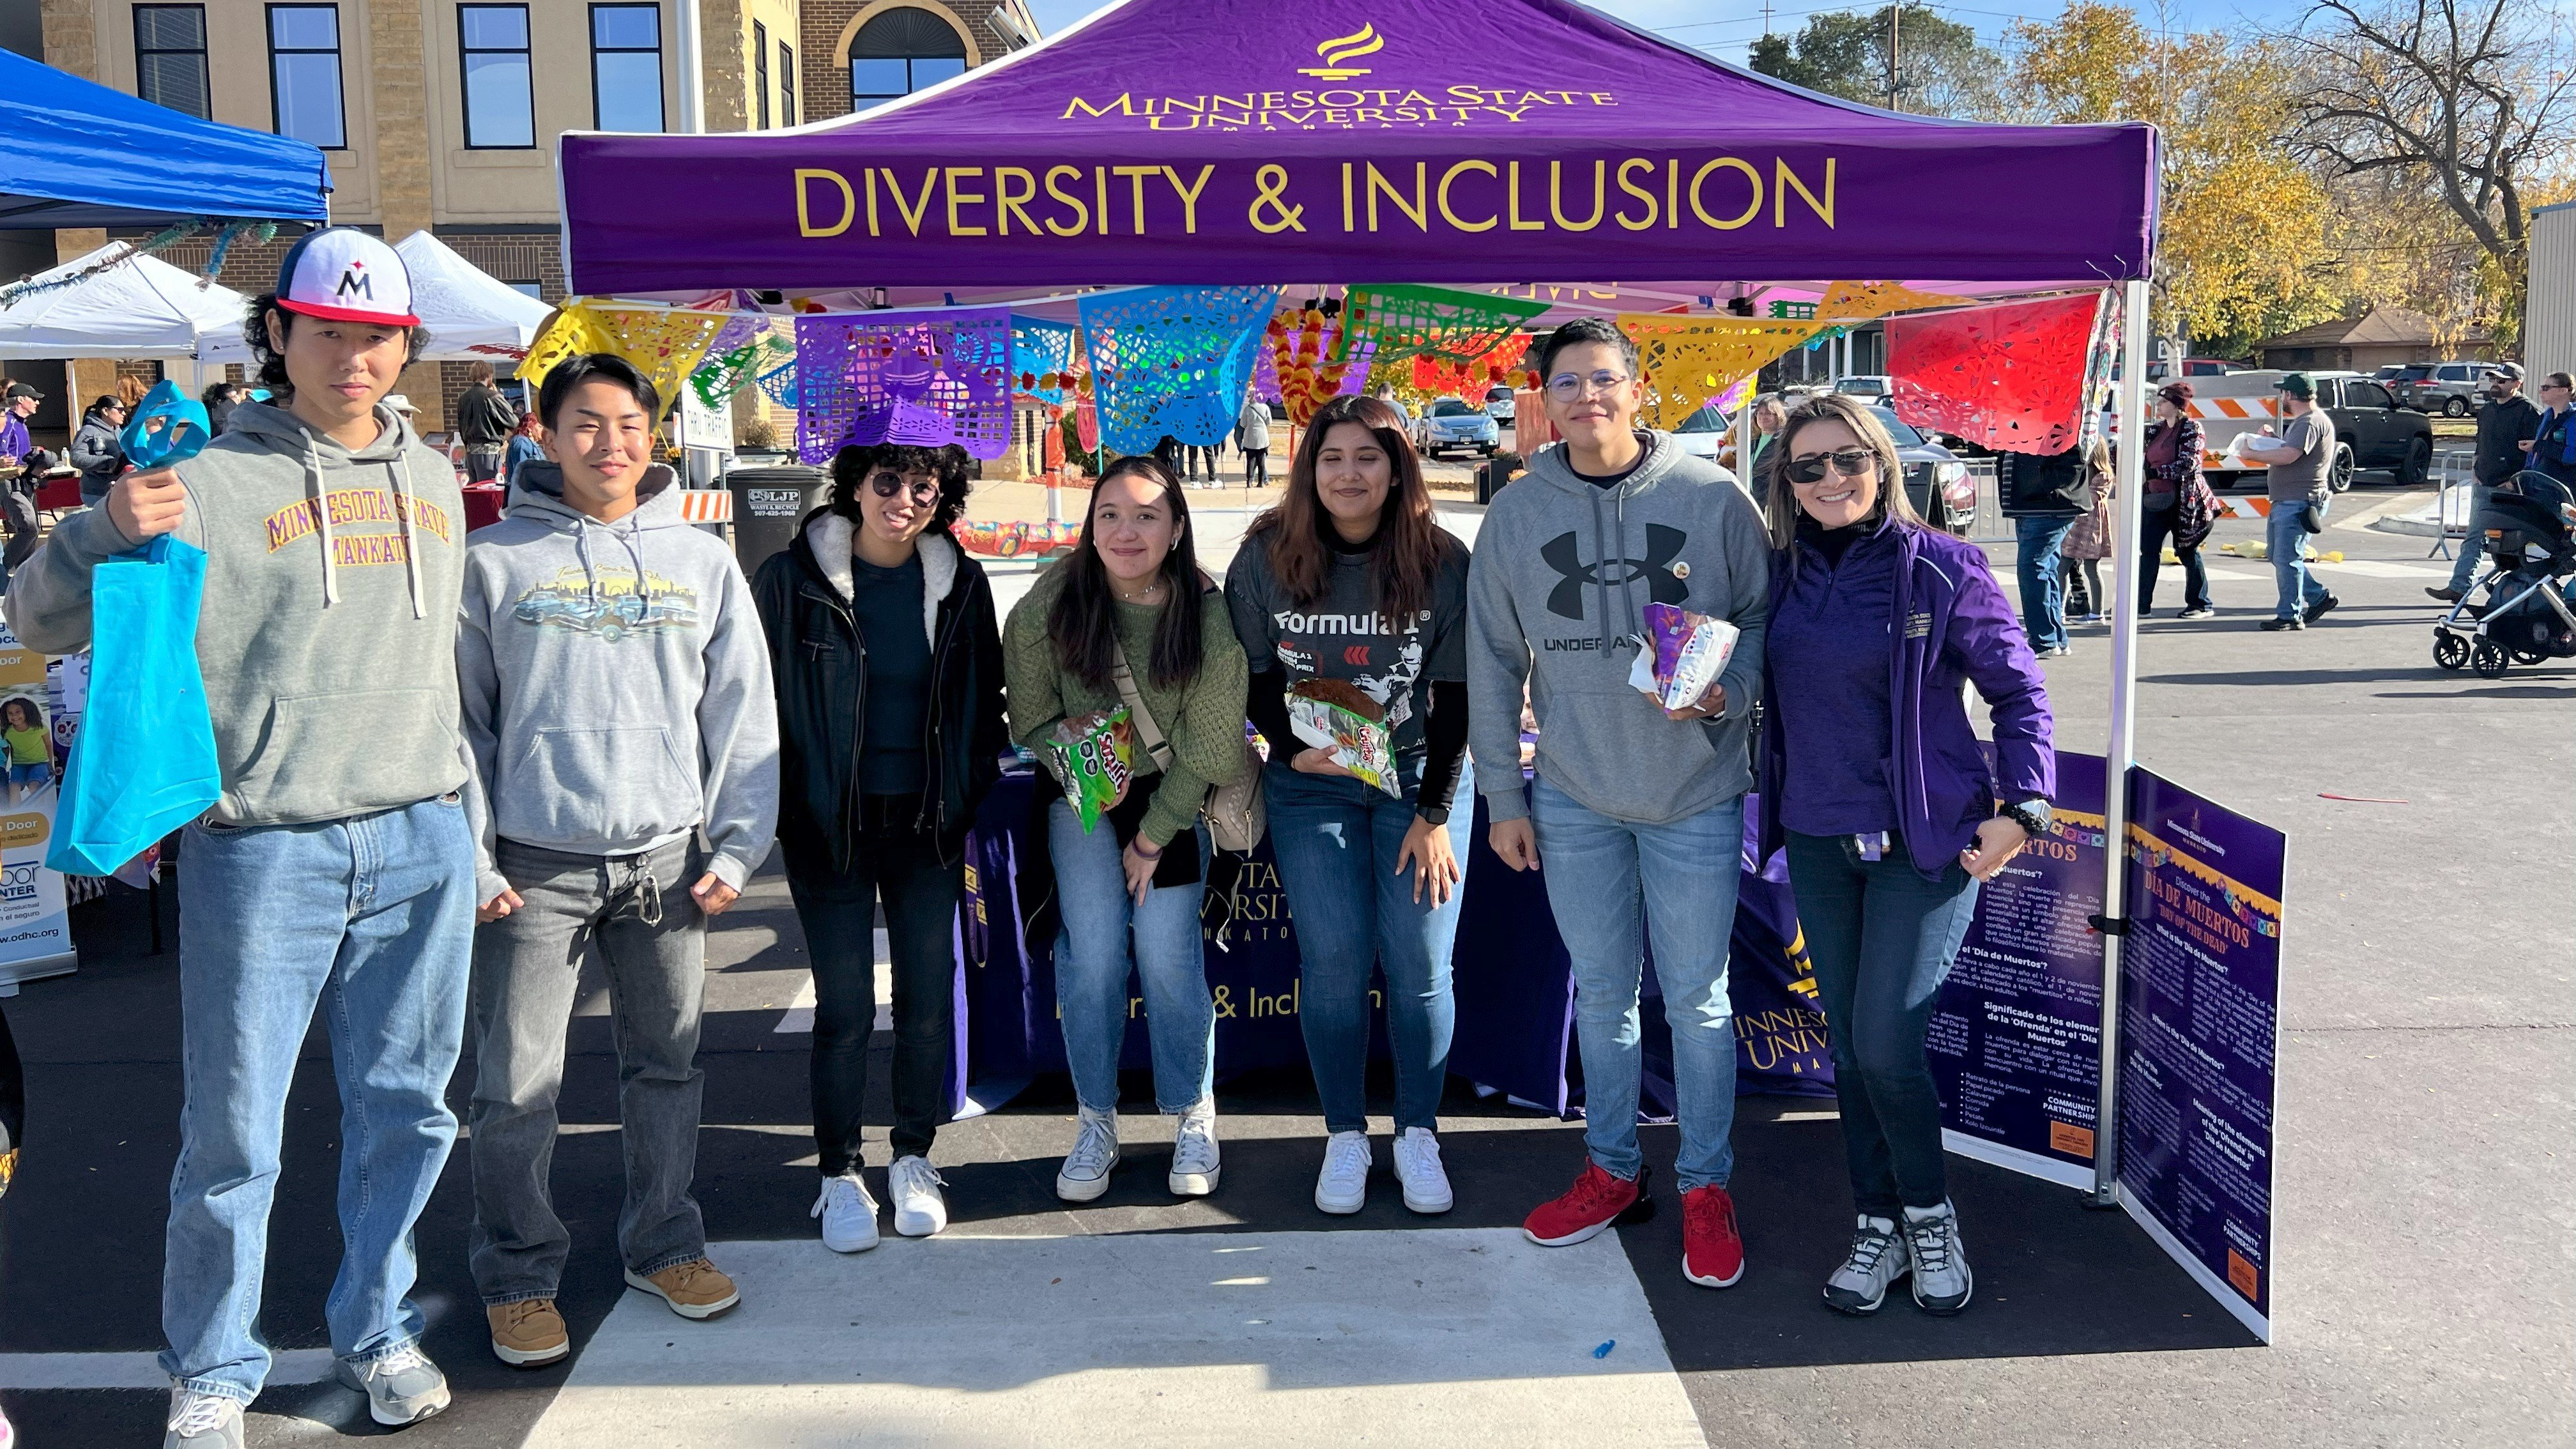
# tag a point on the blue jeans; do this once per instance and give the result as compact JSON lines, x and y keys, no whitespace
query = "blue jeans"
{"x":371,"y":919}
{"x":2285,"y":538}
{"x":1599,"y":871}
{"x":1337,"y":840}
{"x":2464,"y":569}
{"x":2043,"y":600}
{"x":1092,"y":959}
{"x":1883,"y":939}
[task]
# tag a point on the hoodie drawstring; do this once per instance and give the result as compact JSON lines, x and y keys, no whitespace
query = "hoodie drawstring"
{"x":322,"y":523}
{"x":411,"y":545}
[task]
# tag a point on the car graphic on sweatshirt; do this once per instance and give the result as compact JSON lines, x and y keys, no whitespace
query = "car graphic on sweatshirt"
{"x":611,"y":610}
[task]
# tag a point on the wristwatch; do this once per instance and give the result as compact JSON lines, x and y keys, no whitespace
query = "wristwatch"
{"x":2031,"y":815}
{"x":1434,"y":814}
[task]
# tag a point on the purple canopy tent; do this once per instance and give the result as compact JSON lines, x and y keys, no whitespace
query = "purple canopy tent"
{"x":1472,"y":142}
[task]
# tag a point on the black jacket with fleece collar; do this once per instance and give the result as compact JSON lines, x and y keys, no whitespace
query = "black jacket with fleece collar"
{"x":819,"y":662}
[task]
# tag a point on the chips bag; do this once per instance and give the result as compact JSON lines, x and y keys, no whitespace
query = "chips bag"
{"x":1684,"y":655}
{"x":1094,"y":755}
{"x":1341,"y":719}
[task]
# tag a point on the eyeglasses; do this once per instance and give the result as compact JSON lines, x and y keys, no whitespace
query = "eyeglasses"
{"x":1566,"y":386}
{"x":1849,"y":462}
{"x":887,"y":485}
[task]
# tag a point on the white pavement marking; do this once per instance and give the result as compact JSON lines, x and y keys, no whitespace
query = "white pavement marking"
{"x":798,"y":1019}
{"x":139,"y":1370}
{"x":1435,"y":1336}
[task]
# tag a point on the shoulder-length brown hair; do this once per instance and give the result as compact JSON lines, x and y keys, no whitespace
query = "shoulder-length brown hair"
{"x":1409,"y":548}
{"x":1083,"y":622}
{"x":1864,"y":424}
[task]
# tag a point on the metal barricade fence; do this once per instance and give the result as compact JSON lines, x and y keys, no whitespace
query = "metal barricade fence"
{"x":1987,"y":524}
{"x":2452,"y":474}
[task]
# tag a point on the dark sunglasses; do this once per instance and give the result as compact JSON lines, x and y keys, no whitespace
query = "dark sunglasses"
{"x":1850,"y":462}
{"x":887,"y":485}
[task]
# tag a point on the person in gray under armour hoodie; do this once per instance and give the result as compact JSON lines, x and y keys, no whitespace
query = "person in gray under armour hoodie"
{"x":624,"y":742}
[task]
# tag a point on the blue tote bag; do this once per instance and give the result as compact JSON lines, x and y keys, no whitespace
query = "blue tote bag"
{"x":143,"y":763}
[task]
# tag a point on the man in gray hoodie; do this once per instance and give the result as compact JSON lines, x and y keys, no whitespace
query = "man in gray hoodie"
{"x":617,"y":708}
{"x":336,"y":869}
{"x":1632,"y":802}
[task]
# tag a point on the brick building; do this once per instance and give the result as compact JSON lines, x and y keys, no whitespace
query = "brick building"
{"x":442,"y":114}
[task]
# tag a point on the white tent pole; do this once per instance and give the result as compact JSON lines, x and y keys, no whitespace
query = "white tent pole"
{"x":2129,"y":481}
{"x":692,"y":67}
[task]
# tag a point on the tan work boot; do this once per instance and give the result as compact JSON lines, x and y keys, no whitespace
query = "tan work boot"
{"x":694,"y":1289}
{"x":528,"y":1333}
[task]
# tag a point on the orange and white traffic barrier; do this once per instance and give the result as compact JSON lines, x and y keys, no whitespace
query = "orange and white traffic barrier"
{"x":706,"y":505}
{"x":2235,"y":409}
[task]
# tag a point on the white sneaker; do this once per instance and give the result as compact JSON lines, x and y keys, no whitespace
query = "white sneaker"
{"x":402,"y":1387}
{"x":1194,"y":1152}
{"x":202,"y":1421}
{"x":1085,"y":1174}
{"x":1877,"y":1259}
{"x":1417,"y":1166}
{"x":1942,"y":1282}
{"x":849,"y":1214}
{"x":1342,"y":1187}
{"x":914,"y":1185}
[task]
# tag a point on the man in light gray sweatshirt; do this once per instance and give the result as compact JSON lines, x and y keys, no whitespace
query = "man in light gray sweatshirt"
{"x":617,"y":708}
{"x":1632,"y":802}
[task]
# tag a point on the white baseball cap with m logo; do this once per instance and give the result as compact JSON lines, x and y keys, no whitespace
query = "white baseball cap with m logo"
{"x":341,"y":274}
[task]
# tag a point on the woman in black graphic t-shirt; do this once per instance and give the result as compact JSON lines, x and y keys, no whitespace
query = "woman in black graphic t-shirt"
{"x":1350,"y":579}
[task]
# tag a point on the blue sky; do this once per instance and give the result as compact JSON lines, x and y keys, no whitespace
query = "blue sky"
{"x":1726,"y":29}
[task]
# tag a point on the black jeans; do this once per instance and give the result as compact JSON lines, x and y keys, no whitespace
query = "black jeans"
{"x":1256,"y":467}
{"x":2155,"y":525}
{"x":901,"y":865}
{"x":1883,"y":939}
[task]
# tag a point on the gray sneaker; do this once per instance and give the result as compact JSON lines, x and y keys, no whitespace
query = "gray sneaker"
{"x":1878,"y":1258}
{"x":202,"y":1421}
{"x":1942,"y":1281}
{"x":1085,"y":1174}
{"x":402,"y":1387}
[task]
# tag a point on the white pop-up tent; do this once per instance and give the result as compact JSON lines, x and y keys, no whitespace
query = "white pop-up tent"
{"x":467,"y":313}
{"x":140,"y":307}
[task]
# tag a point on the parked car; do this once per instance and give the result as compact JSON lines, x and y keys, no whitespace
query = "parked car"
{"x":2371,"y":429}
{"x":1709,"y":434}
{"x":1878,"y":387}
{"x":1453,"y":422}
{"x":2449,"y":388}
{"x":1499,"y":405}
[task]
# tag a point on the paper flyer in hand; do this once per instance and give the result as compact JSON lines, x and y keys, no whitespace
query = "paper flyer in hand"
{"x":1340,"y":718}
{"x":1095,"y":756}
{"x":1684,"y":655}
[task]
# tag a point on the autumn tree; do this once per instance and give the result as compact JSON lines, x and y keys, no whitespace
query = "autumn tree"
{"x":1941,"y":67}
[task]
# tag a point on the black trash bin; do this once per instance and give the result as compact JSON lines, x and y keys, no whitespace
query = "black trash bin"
{"x":767,"y":502}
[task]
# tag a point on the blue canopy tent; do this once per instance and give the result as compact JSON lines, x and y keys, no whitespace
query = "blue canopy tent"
{"x":79,"y":154}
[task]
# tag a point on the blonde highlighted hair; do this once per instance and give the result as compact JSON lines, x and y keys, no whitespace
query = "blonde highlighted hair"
{"x":1873,"y":435}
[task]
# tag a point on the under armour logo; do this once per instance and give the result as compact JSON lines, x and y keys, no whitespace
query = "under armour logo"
{"x":1664,"y":583}
{"x":354,"y":285}
{"x":1356,"y":655}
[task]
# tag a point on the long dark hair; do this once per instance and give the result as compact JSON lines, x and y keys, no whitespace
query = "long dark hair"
{"x":1083,"y":624}
{"x":35,"y":719}
{"x":268,"y":365}
{"x":1409,"y":547}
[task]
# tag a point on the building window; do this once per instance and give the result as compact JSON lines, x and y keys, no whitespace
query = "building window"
{"x":626,"y":67}
{"x":899,"y":52}
{"x":170,"y":58}
{"x":500,"y":104}
{"x":304,"y":74}
{"x":760,"y":73}
{"x":786,"y":84}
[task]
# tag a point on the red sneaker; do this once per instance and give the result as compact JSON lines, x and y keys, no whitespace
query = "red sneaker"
{"x":1596,"y":1201}
{"x":1712,"y":1250}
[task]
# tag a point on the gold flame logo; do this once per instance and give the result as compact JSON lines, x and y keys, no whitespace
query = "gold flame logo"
{"x":1345,"y":48}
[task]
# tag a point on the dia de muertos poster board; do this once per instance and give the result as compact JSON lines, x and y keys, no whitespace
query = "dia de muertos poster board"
{"x":35,"y":922}
{"x":2199,"y":1024}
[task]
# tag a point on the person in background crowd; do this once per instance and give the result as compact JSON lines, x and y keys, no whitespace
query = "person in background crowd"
{"x":1873,"y":783}
{"x":2087,"y":543}
{"x":1252,"y":436}
{"x":130,"y":390}
{"x":484,"y":422}
{"x":1635,"y":806}
{"x":1768,"y":414}
{"x":1351,"y":579}
{"x":889,"y":673}
{"x":2299,"y":482}
{"x":2044,"y":496}
{"x":2553,"y":441}
{"x":220,"y":399}
{"x":1131,"y":601}
{"x":2507,"y":423}
{"x":97,"y":450}
{"x":2178,"y":505}
{"x":336,"y":872}
{"x":1168,"y":452}
{"x":22,"y":465}
{"x":523,"y":450}
{"x":585,"y":836}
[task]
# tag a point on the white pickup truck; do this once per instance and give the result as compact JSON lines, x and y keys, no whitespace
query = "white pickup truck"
{"x":2371,"y":430}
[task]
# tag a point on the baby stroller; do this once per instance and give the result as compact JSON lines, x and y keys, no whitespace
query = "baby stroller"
{"x":2517,"y":611}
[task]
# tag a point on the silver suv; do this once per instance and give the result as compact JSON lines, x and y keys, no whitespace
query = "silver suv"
{"x":2452,"y":389}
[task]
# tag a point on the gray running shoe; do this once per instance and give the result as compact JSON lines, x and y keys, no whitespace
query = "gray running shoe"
{"x":402,"y":1387}
{"x":202,"y":1421}
{"x":1878,"y":1258}
{"x":1942,"y":1281}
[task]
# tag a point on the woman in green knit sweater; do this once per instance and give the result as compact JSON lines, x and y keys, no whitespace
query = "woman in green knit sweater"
{"x":1128,"y":889}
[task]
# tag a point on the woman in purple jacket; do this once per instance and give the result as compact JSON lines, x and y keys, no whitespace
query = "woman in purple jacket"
{"x":1873,"y":781}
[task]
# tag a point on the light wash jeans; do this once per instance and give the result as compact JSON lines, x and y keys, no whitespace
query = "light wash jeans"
{"x":1599,"y":871}
{"x":1337,"y":841}
{"x":1105,"y":934}
{"x":2285,"y":538}
{"x":371,"y":919}
{"x":2464,"y":569}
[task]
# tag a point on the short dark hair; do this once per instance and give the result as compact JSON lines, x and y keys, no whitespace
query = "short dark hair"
{"x":852,"y":465}
{"x":269,"y":365}
{"x":606,"y":367}
{"x":1581,"y":330}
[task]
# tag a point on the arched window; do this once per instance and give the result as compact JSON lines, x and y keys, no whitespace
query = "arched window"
{"x":900,"y":52}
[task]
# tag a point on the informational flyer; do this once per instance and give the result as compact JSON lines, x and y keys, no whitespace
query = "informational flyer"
{"x":35,"y":923}
{"x":2016,"y":1040}
{"x":2199,"y":1020}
